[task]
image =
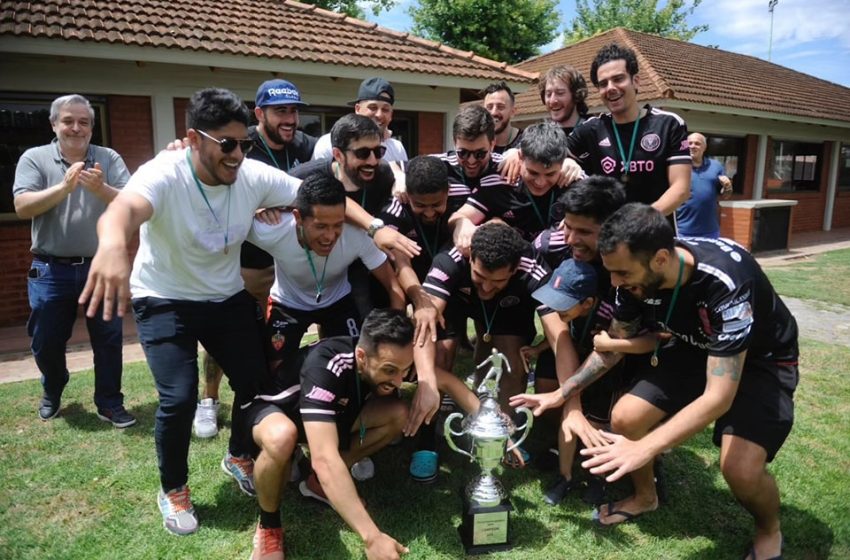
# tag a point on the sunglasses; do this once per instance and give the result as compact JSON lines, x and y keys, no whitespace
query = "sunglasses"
{"x":228,"y":144}
{"x":478,"y":155}
{"x":363,"y":153}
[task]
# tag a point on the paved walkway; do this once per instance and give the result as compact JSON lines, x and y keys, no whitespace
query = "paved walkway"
{"x":817,"y":320}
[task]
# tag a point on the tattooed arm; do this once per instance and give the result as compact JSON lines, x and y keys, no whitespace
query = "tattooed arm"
{"x":723,"y":374}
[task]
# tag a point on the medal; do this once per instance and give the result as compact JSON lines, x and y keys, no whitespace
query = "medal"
{"x":318,"y":297}
{"x":488,"y":322}
{"x":486,"y":337}
{"x":627,"y":159}
{"x":653,"y":361}
{"x":624,"y":178}
{"x":320,"y":282}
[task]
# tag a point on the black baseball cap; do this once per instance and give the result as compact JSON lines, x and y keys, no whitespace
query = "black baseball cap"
{"x":375,"y":88}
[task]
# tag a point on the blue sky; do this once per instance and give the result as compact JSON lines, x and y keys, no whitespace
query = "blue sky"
{"x":810,"y":36}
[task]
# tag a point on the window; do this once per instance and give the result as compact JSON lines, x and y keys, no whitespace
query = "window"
{"x":731,"y":152}
{"x":25,"y":123}
{"x":844,"y":168}
{"x":796,"y":166}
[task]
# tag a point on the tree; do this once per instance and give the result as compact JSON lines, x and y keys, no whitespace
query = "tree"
{"x":352,"y":7}
{"x":639,"y":15}
{"x":505,"y":30}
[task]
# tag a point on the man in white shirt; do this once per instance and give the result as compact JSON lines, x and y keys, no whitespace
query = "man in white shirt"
{"x":375,"y":99}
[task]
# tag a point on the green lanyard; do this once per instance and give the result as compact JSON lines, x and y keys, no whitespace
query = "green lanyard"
{"x":488,"y":321}
{"x":204,"y":195}
{"x":626,"y":161}
{"x":543,"y":223}
{"x":359,"y":405}
{"x":421,"y":231}
{"x":320,"y":283}
{"x":590,"y":318}
{"x":271,"y":155}
{"x":654,"y":359}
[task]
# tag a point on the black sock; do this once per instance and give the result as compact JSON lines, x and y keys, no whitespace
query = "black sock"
{"x":428,"y":436}
{"x":270,"y":519}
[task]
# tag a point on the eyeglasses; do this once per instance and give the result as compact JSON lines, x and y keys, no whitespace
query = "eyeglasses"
{"x":229,"y":144}
{"x":478,"y":155}
{"x":363,"y":153}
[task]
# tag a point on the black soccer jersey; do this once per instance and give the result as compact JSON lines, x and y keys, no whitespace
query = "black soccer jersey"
{"x":450,"y":279}
{"x":510,"y":145}
{"x":432,"y":238}
{"x":551,"y":245}
{"x":727,"y":306}
{"x":461,"y":186}
{"x":372,"y":198}
{"x":517,"y":207}
{"x":662,"y":141}
{"x":297,"y":152}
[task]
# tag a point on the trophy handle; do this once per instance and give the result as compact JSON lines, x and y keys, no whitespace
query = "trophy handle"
{"x":449,"y":432}
{"x":525,"y":427}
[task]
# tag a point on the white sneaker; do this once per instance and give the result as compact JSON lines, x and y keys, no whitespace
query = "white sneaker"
{"x":364,"y":469}
{"x":206,"y":418}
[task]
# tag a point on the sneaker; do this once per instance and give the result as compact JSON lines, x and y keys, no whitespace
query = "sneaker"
{"x":595,"y":494}
{"x":48,"y":408}
{"x":268,"y":544}
{"x":423,"y":466}
{"x":310,"y":487}
{"x":242,"y":470}
{"x":364,"y":469}
{"x":556,"y":493}
{"x":206,"y":418}
{"x":178,"y":513}
{"x":118,"y":416}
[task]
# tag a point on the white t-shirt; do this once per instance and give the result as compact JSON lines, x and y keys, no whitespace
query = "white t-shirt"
{"x":294,"y":283}
{"x":181,"y":250}
{"x":395,"y":149}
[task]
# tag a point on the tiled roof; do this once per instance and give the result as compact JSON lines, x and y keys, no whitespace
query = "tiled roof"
{"x":676,"y":70}
{"x":274,"y":29}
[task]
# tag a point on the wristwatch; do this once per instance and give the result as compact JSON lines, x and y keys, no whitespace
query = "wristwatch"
{"x":374,"y":226}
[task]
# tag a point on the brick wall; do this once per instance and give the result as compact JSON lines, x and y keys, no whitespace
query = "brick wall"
{"x":131,"y":128}
{"x":180,"y":104}
{"x":737,"y":224}
{"x":15,"y":248}
{"x":431,"y":127}
{"x":841,"y":210}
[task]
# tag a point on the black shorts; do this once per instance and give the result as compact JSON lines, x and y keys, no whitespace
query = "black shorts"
{"x":598,"y":399}
{"x":762,"y":411}
{"x":253,"y":257}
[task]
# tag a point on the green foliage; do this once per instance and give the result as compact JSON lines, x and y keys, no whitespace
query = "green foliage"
{"x":597,"y":16}
{"x":352,"y":7}
{"x":504,"y":30}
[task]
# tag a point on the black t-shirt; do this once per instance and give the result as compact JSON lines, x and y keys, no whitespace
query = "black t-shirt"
{"x":372,"y":198}
{"x":510,"y":145}
{"x":517,"y":207}
{"x":461,"y":186}
{"x":437,"y":237}
{"x":727,"y":306}
{"x":297,"y":152}
{"x":662,"y":141}
{"x":450,"y":279}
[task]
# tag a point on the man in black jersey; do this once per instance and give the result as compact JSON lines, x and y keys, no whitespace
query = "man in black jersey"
{"x":732,"y":360}
{"x":499,"y":101}
{"x":563,"y":91}
{"x":643,"y":147}
{"x":527,"y":205}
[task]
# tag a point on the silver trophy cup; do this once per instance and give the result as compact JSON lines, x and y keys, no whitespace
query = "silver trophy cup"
{"x":485,"y":526}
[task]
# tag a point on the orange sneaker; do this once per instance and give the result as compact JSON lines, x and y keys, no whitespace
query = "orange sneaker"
{"x":268,"y":544}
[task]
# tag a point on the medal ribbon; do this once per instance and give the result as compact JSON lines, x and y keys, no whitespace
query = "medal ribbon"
{"x":537,"y":212}
{"x":654,"y":359}
{"x":488,"y":320}
{"x":204,"y":195}
{"x":320,"y":283}
{"x":626,"y":161}
{"x":420,"y":229}
{"x":271,"y":155}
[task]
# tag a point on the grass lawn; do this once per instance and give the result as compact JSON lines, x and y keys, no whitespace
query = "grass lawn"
{"x":77,"y":488}
{"x":819,"y":278}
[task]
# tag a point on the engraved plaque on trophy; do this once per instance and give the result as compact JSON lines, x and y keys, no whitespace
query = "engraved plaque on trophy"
{"x":485,"y":525}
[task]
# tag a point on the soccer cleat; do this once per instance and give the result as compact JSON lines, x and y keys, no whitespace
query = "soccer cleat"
{"x":268,"y":544}
{"x":206,"y":418}
{"x":118,"y":416}
{"x":242,"y":470}
{"x":178,"y":513}
{"x":364,"y":469}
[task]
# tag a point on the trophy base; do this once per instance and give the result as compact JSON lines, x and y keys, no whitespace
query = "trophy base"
{"x":485,"y":529}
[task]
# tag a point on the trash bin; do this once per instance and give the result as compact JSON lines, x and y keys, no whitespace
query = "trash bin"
{"x":758,"y":225}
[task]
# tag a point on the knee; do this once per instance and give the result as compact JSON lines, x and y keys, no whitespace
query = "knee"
{"x":278,"y":440}
{"x":627,"y":421}
{"x":742,"y":476}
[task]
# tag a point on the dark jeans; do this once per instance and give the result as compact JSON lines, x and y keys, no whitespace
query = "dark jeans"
{"x":169,"y":331}
{"x":53,"y":292}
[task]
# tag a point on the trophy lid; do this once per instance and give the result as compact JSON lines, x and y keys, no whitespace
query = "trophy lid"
{"x":489,"y":423}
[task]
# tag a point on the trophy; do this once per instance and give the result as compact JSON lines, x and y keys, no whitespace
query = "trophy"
{"x":486,"y":507}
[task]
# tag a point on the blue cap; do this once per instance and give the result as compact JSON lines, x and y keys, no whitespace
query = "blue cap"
{"x":571,"y":283}
{"x":278,"y":92}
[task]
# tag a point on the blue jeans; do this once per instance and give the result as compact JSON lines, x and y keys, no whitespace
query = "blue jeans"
{"x":53,"y":292}
{"x":169,"y":331}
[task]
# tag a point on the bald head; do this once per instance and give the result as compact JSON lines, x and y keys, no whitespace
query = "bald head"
{"x":696,"y":145}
